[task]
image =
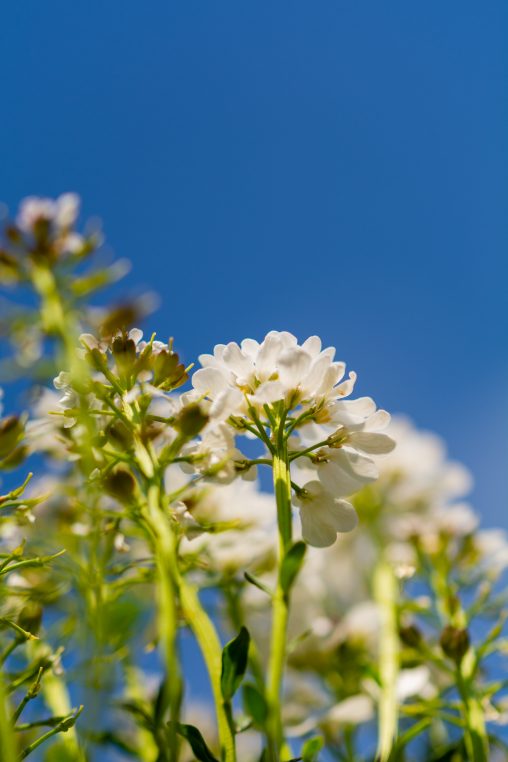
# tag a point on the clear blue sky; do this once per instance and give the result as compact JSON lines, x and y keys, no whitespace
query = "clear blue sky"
{"x":327,"y":167}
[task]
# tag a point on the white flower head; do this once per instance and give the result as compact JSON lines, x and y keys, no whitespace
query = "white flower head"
{"x":276,"y":369}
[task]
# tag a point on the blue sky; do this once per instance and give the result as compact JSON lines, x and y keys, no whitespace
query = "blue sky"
{"x":337,"y":168}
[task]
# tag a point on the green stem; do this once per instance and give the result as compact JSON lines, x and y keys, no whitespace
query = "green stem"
{"x":164,"y":545}
{"x":56,"y":698}
{"x":475,"y":735}
{"x":282,"y":487}
{"x":7,"y":743}
{"x":210,"y":646}
{"x":63,"y":727}
{"x":385,"y":595}
{"x":473,"y":714}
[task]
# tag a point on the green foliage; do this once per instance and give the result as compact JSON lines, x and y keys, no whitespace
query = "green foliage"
{"x":291,"y":565}
{"x":234,"y":663}
{"x":196,"y":742}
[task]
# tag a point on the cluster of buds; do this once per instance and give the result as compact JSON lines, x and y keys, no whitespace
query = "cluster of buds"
{"x":136,"y":361}
{"x":44,"y":233}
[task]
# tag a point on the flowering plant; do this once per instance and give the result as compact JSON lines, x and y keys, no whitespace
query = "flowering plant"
{"x":353,"y":613}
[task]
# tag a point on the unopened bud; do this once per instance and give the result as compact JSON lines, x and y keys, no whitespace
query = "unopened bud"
{"x":11,"y":431}
{"x":124,"y":352}
{"x":120,"y":484}
{"x":410,"y":636}
{"x":191,"y":420}
{"x":119,"y":434}
{"x":455,"y":642}
{"x":30,"y":617}
{"x":168,"y":371}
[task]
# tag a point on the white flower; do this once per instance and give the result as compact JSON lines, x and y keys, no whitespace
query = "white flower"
{"x":69,"y":399}
{"x":277,"y":369}
{"x":215,"y":455}
{"x":323,"y":515}
{"x":251,"y":536}
{"x":353,"y":710}
{"x":61,"y":212}
{"x":417,"y":473}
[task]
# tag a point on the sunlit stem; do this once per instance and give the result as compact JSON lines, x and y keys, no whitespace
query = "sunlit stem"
{"x":282,"y":488}
{"x":475,"y":735}
{"x":7,"y":743}
{"x":164,"y":546}
{"x":386,"y":594}
{"x":210,"y":646}
{"x":55,"y":318}
{"x":57,"y":321}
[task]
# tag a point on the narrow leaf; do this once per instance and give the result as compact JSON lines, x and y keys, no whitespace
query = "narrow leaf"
{"x":234,"y":663}
{"x":311,"y":748}
{"x":291,"y":565}
{"x":196,"y":742}
{"x":255,"y":704}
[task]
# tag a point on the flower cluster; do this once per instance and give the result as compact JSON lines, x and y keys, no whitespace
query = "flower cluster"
{"x":259,"y":385}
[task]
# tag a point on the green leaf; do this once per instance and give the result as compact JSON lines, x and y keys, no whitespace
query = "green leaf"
{"x":257,"y":583}
{"x":196,"y":742}
{"x":255,"y":704}
{"x":234,"y":663}
{"x":311,"y":748}
{"x":291,"y":565}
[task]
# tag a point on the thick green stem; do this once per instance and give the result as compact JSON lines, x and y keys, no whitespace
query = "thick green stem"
{"x":54,"y":316}
{"x":282,"y":487}
{"x":164,"y":545}
{"x":385,"y":595}
{"x":210,"y":647}
{"x":475,"y":732}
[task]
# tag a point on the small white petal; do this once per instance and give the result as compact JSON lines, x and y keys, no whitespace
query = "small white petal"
{"x":371,"y":442}
{"x":293,"y":366}
{"x":209,"y":381}
{"x":270,"y":391}
{"x":312,"y":345}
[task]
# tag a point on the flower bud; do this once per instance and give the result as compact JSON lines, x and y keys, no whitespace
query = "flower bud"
{"x":11,"y":431}
{"x":168,"y":371}
{"x":30,"y":617}
{"x":190,"y":421}
{"x":124,"y":352}
{"x":15,"y":457}
{"x":454,"y":642}
{"x":410,"y":636}
{"x":120,"y":484}
{"x":119,"y":434}
{"x":9,"y":269}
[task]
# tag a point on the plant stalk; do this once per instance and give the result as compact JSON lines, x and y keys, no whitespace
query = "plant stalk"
{"x":277,"y":660}
{"x":385,"y":595}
